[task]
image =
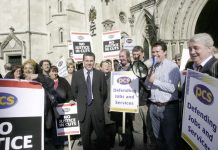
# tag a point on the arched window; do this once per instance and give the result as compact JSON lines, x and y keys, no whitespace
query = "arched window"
{"x":61,"y":35}
{"x":60,"y":6}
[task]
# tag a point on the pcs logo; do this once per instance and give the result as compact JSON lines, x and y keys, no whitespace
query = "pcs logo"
{"x":124,"y":80}
{"x":203,"y":94}
{"x":7,"y":100}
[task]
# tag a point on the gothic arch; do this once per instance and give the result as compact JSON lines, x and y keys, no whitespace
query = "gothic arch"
{"x":141,"y":30}
{"x":179,"y":19}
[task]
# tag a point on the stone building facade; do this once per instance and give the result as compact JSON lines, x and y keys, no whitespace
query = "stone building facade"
{"x":40,"y":29}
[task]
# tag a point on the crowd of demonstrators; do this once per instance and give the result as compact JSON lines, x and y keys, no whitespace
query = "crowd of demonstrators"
{"x":155,"y":127}
{"x":142,"y":130}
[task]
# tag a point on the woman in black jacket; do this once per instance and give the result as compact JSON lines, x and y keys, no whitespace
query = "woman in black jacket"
{"x":63,"y":95}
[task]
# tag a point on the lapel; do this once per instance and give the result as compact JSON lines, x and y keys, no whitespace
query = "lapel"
{"x":208,"y":65}
{"x":94,"y":79}
{"x":83,"y":77}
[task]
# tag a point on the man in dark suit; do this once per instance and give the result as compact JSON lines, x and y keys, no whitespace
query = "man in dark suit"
{"x":89,"y":89}
{"x":201,"y":53}
{"x":201,"y":48}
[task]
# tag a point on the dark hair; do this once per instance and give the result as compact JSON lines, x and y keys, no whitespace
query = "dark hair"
{"x":105,"y":61}
{"x":88,"y":54}
{"x":14,"y":68}
{"x":55,"y":68}
{"x":44,"y":60}
{"x":161,"y":44}
{"x":137,"y":48}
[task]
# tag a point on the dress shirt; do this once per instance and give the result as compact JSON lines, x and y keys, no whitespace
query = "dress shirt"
{"x":165,"y":85}
{"x":91,"y":76}
{"x":203,"y":63}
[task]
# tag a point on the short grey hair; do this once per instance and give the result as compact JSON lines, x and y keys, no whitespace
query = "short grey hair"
{"x":8,"y":66}
{"x":203,"y":38}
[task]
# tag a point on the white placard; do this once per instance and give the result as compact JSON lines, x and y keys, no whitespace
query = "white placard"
{"x":81,"y":43}
{"x":68,"y":123}
{"x":111,"y":44}
{"x":199,"y":125}
{"x":21,"y":115}
{"x":124,"y":92}
{"x":62,"y":67}
{"x":184,"y":59}
{"x":129,"y":44}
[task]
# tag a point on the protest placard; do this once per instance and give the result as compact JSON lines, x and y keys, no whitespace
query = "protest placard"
{"x":199,"y":123}
{"x":62,"y":67}
{"x":129,"y":44}
{"x":21,"y":115}
{"x":124,"y":92}
{"x":111,"y":44}
{"x":81,"y":43}
{"x":68,"y":123}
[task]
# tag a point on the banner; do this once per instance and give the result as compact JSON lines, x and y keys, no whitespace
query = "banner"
{"x":199,"y":125}
{"x":111,"y":44}
{"x":81,"y":43}
{"x":124,"y":92}
{"x":62,"y":67}
{"x":68,"y":123}
{"x":21,"y":115}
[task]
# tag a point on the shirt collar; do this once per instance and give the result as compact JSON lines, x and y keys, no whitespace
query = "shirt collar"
{"x":85,"y":70}
{"x":204,"y":62}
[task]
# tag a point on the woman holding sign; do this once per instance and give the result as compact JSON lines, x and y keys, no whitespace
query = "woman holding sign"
{"x":63,"y":94}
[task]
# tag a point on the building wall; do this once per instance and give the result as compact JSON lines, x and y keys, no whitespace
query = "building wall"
{"x":175,"y":21}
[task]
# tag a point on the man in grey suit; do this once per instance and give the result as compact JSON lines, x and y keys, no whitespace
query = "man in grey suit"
{"x":89,"y":89}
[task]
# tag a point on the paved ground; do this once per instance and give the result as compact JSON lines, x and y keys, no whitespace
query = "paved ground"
{"x":74,"y":146}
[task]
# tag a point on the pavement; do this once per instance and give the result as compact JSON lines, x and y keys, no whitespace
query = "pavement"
{"x":74,"y":146}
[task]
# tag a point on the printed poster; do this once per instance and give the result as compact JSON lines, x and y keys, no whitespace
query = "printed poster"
{"x":129,"y":44}
{"x":81,"y":43}
{"x":62,"y":67}
{"x":21,"y":115}
{"x":68,"y":123}
{"x":199,"y":127}
{"x":124,"y":92}
{"x":111,"y":44}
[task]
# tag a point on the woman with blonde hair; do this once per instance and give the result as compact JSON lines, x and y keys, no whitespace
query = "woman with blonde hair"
{"x":70,"y":70}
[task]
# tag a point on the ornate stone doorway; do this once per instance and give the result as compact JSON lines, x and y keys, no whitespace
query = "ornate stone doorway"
{"x":207,"y":21}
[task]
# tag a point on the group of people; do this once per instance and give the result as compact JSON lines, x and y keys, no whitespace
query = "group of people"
{"x":157,"y":124}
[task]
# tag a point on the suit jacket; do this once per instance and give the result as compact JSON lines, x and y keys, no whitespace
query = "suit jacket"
{"x":99,"y":91}
{"x":210,"y":67}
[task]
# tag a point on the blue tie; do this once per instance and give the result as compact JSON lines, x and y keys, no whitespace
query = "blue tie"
{"x":89,"y":88}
